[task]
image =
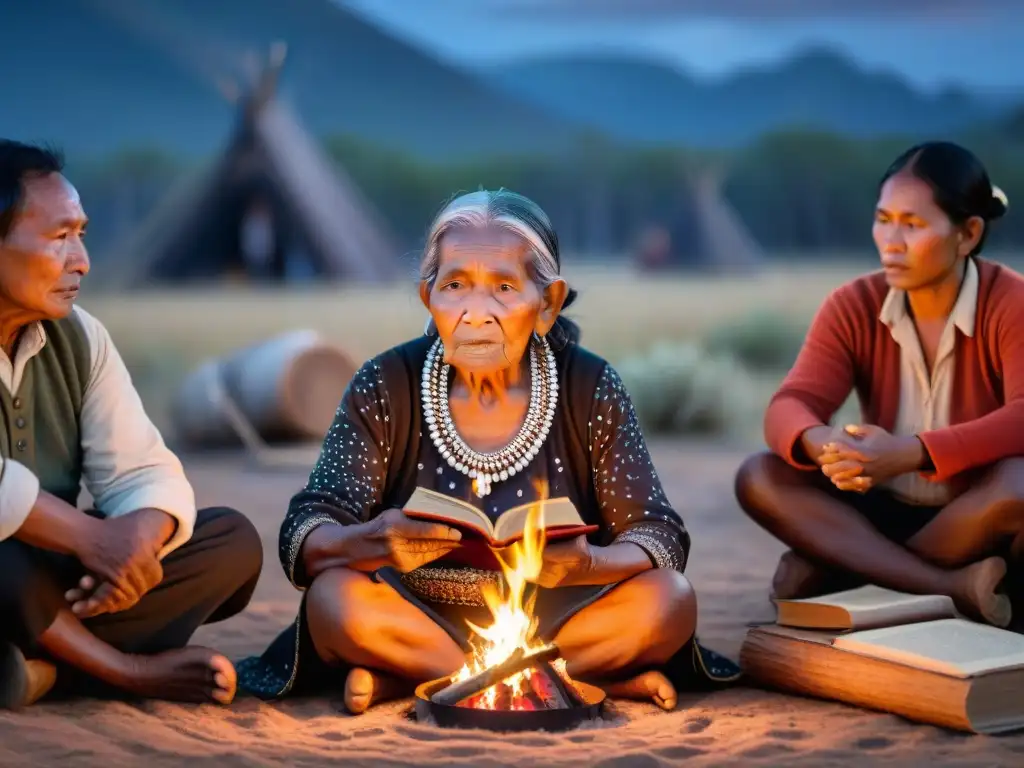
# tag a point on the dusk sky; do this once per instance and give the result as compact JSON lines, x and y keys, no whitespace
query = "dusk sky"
{"x":931,"y":42}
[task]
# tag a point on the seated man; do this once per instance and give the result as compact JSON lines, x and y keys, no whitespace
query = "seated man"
{"x":113,"y":595}
{"x":928,"y":495}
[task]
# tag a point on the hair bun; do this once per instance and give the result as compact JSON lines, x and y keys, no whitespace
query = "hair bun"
{"x":1000,"y":203}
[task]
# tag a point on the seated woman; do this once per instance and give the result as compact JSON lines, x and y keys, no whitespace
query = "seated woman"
{"x":927,"y":494}
{"x":494,"y":403}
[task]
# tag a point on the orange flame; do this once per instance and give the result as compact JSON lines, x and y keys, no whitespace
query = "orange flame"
{"x":514,"y":624}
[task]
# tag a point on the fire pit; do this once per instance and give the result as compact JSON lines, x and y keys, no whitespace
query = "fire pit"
{"x":524,"y":693}
{"x":511,"y":681}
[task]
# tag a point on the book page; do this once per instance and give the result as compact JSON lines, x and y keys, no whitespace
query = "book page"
{"x":560,"y":511}
{"x":954,"y":647}
{"x":867,"y":606}
{"x":436,"y":505}
{"x":870,"y":598}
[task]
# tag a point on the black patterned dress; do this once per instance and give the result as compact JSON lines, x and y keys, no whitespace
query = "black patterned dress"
{"x":376,"y":453}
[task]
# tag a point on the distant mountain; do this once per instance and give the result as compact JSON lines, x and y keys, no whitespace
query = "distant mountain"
{"x":645,"y":101}
{"x":80,"y":78}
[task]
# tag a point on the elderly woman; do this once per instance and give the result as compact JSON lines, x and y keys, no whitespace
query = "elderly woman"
{"x":928,"y":492}
{"x":495,"y":402}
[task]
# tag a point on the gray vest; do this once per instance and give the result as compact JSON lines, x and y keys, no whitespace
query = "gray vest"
{"x":40,"y":423}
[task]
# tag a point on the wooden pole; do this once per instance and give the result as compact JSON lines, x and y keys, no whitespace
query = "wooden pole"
{"x":517,"y":662}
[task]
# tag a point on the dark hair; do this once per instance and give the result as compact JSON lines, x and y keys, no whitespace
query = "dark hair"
{"x":959,"y":182}
{"x":18,"y":160}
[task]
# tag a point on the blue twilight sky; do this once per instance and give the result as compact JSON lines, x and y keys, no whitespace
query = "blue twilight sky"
{"x":931,"y":42}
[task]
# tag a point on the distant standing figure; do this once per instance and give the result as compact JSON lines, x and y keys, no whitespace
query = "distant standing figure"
{"x":106,"y":598}
{"x":258,"y":239}
{"x":926,"y":494}
{"x":654,"y":250}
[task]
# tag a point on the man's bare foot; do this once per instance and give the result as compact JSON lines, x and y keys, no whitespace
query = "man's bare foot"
{"x":976,"y":594}
{"x":364,"y":688}
{"x":23,"y":681}
{"x":647,"y":686}
{"x":187,"y":674}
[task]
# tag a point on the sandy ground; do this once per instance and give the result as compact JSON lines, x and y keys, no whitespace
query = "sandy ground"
{"x":730,"y":567}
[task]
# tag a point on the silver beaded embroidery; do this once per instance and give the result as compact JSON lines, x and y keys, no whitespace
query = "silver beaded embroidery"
{"x":348,"y":479}
{"x":651,"y":538}
{"x":303,"y":530}
{"x":452,"y":586}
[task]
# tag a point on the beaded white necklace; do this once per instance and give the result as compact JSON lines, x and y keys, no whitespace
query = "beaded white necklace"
{"x":488,"y":468}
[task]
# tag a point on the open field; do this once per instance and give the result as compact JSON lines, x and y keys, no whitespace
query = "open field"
{"x":617,"y":308}
{"x":164,"y":334}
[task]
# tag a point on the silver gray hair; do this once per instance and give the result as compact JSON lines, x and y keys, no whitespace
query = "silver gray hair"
{"x":503,"y":209}
{"x":517,"y":214}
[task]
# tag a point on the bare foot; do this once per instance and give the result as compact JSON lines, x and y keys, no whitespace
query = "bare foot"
{"x":653,"y":686}
{"x":364,"y":688}
{"x":796,"y":577}
{"x":977,"y":596}
{"x":23,"y":682}
{"x":187,"y":674}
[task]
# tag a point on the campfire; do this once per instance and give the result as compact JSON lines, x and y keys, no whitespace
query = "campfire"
{"x":511,"y":680}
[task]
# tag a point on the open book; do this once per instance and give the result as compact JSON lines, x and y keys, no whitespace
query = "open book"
{"x":949,"y":672}
{"x":560,"y":518}
{"x":953,"y":647}
{"x":862,"y":608}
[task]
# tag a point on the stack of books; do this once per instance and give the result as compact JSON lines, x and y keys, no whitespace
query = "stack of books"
{"x":910,"y":655}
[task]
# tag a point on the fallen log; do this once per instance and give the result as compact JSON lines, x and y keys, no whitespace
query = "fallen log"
{"x":287,"y":388}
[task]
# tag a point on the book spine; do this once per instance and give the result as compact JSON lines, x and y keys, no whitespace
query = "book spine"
{"x":824,"y":672}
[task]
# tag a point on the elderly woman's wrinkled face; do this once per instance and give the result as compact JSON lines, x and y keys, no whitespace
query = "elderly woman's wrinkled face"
{"x":918,"y":244}
{"x":484,"y":303}
{"x":43,"y":258}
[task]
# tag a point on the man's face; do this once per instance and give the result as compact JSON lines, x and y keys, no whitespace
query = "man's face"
{"x":43,"y":258}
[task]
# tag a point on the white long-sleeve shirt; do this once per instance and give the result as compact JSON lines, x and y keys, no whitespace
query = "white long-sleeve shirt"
{"x":126,"y":465}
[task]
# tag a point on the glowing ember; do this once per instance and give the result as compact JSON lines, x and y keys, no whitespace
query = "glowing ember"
{"x":514,"y":625}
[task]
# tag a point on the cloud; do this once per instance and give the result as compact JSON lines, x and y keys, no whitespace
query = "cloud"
{"x":923,"y":11}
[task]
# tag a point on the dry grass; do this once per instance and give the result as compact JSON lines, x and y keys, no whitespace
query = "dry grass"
{"x":618,"y":310}
{"x":163,"y":335}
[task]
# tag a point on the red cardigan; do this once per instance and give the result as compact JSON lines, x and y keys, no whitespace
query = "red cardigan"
{"x":848,"y":347}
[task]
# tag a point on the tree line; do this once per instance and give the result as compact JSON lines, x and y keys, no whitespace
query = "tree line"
{"x":796,"y":191}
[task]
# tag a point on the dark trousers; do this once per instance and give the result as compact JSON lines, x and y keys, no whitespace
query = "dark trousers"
{"x":209,"y":578}
{"x":894,"y":518}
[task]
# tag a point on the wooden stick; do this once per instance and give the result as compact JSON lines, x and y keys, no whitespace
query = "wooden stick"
{"x":517,"y":662}
{"x":545,"y":686}
{"x":534,"y":698}
{"x":566,"y":687}
{"x":503,"y":700}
